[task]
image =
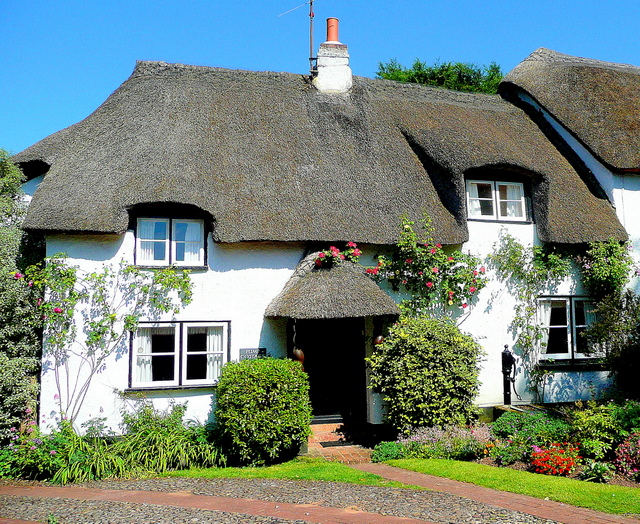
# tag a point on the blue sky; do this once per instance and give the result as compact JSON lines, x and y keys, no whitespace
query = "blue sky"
{"x":60,"y":59}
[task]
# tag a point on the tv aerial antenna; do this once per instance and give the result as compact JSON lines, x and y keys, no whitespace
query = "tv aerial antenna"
{"x":312,"y":59}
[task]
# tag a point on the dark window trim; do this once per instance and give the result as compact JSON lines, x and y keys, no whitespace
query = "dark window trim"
{"x":180,"y":327}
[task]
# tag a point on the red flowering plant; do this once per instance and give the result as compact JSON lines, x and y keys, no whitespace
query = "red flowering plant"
{"x":555,"y":459}
{"x":431,"y":273}
{"x":334,"y":256}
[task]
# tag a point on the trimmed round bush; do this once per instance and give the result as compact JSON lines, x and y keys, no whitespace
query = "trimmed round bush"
{"x":427,"y":370}
{"x":262,"y":410}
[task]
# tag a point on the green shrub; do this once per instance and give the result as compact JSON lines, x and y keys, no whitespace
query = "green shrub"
{"x":595,"y":471}
{"x":427,"y":370}
{"x":596,"y":429}
{"x":387,"y":451}
{"x":159,"y":441}
{"x":450,"y":442}
{"x":517,"y":432}
{"x":262,"y":410}
{"x":627,"y":416}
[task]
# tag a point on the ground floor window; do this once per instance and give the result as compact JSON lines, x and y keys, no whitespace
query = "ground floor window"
{"x":563,"y":320}
{"x":178,"y":353}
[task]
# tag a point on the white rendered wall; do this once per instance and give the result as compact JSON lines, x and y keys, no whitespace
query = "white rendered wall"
{"x":488,"y":320}
{"x":240,"y":282}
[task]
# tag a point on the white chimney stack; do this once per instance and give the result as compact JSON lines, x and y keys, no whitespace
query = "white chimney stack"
{"x":334,"y":73}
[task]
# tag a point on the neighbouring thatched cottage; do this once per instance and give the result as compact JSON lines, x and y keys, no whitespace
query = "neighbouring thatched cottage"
{"x":241,"y":176}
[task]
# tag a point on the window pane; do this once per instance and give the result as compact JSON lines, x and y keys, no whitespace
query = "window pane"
{"x":558,"y":315}
{"x":160,"y":231}
{"x":180,"y":231}
{"x":159,"y":251}
{"x":180,"y":252}
{"x":162,"y":343}
{"x":486,"y":207}
{"x":511,"y":209}
{"x":557,"y":342}
{"x":485,"y":191}
{"x":163,"y":367}
{"x":196,"y":367}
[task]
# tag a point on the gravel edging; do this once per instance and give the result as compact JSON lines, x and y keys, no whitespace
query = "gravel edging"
{"x":418,"y":504}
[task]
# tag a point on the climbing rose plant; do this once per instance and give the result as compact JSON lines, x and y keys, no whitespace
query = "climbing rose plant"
{"x":87,"y":317}
{"x":432,"y":274}
{"x":333,"y":255}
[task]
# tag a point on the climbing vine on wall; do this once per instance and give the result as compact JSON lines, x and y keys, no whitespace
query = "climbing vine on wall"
{"x":528,"y":272}
{"x":437,"y":278}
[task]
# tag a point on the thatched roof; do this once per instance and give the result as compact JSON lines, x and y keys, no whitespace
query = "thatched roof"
{"x":342,"y":291}
{"x":599,"y":102}
{"x":269,"y":157}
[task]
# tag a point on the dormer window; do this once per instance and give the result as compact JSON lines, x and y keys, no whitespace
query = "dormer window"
{"x":166,"y":241}
{"x":493,"y":200}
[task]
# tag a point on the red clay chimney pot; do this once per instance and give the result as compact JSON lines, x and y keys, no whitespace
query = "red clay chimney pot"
{"x":332,"y":30}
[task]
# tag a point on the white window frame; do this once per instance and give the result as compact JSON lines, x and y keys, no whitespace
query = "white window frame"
{"x":495,"y":200}
{"x":571,"y":329}
{"x":217,"y":353}
{"x":171,"y":243}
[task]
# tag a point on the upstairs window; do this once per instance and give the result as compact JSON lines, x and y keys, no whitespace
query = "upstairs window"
{"x":165,"y":241}
{"x":563,"y":320}
{"x":492,"y":200}
{"x":179,"y":354}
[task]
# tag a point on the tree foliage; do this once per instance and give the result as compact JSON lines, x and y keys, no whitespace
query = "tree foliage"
{"x":457,"y":76}
{"x":427,"y":370}
{"x":19,"y":321}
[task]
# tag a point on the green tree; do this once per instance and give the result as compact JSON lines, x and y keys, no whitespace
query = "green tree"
{"x":457,"y":76}
{"x":19,"y":321}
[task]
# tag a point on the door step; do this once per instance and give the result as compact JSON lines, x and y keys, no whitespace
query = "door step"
{"x":328,"y":441}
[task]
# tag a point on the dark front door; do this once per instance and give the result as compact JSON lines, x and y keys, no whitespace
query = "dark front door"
{"x":334,"y":352}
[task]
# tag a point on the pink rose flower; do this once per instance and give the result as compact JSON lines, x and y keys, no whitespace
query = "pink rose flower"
{"x":472,"y":289}
{"x":438,"y":245}
{"x":482,"y":269}
{"x":429,"y":284}
{"x":57,"y":310}
{"x":433,"y":250}
{"x":475,"y":273}
{"x":357,"y":253}
{"x":435,"y":270}
{"x":450,"y":259}
{"x":17,"y":275}
{"x":351,"y":244}
{"x":321,"y":255}
{"x":464,"y":305}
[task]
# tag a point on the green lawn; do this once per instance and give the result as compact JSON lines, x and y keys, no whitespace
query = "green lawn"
{"x":303,"y":468}
{"x":601,"y":497}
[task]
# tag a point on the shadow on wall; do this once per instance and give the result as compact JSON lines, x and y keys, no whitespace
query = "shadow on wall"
{"x":576,"y":385}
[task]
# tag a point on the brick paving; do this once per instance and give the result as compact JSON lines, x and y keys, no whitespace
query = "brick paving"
{"x":328,"y":441}
{"x":540,"y":508}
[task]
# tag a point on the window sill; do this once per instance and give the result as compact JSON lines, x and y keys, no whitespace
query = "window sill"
{"x":498,"y":221}
{"x":180,"y":268}
{"x":582,"y":364}
{"x":142,"y":389}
